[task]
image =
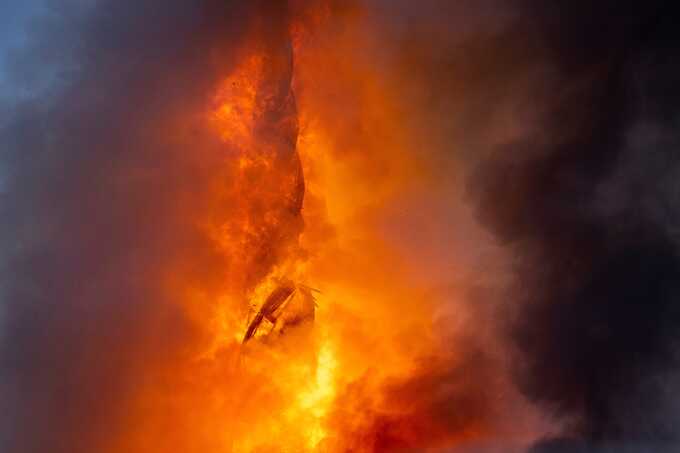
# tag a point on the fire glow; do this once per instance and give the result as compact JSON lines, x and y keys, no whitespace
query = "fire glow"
{"x":321,"y":384}
{"x":273,"y":305}
{"x":348,"y":377}
{"x":338,"y":226}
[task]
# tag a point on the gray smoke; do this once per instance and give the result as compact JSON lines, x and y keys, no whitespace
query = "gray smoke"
{"x":98,"y":194}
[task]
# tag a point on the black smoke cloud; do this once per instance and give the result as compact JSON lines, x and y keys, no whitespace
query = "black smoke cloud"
{"x":563,"y":117}
{"x":588,"y":207}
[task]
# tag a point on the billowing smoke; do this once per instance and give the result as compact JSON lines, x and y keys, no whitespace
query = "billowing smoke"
{"x":587,"y":204}
{"x":560,"y":120}
{"x":108,"y":177}
{"x":489,"y":212}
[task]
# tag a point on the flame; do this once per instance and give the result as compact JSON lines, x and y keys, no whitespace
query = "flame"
{"x":330,"y":127}
{"x":233,"y":116}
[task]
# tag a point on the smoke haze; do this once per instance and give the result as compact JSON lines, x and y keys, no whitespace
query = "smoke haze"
{"x":491,"y":213}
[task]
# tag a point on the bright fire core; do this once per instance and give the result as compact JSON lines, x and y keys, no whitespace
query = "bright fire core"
{"x":313,"y":156}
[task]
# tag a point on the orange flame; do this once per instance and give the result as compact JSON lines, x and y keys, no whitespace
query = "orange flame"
{"x":358,"y":378}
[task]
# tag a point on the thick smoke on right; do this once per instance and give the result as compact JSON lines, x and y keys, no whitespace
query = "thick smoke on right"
{"x":588,"y":207}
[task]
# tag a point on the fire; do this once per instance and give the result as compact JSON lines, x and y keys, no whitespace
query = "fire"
{"x":318,"y":386}
{"x":233,"y":116}
{"x":301,"y":182}
{"x":260,"y":125}
{"x":229,"y":231}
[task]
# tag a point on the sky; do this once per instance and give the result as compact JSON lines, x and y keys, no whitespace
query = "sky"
{"x":14,"y":15}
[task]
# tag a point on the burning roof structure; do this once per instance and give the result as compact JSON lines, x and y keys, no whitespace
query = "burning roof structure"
{"x":485,"y":192}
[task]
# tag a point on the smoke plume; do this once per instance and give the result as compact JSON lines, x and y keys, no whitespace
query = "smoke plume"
{"x":484,"y":192}
{"x":587,"y":205}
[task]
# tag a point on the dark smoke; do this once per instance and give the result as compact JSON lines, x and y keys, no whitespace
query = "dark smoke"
{"x":582,"y":194}
{"x":103,"y":172}
{"x":589,"y":208}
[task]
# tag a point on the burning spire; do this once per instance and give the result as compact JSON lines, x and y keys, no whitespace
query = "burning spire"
{"x":495,"y":241}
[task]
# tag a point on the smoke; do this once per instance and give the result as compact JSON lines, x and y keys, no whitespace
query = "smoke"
{"x":106,"y":173}
{"x":490,"y":212}
{"x":561,"y":122}
{"x":586,"y":205}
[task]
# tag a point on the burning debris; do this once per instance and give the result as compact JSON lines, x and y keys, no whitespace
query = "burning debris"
{"x":289,"y":305}
{"x":258,"y":115}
